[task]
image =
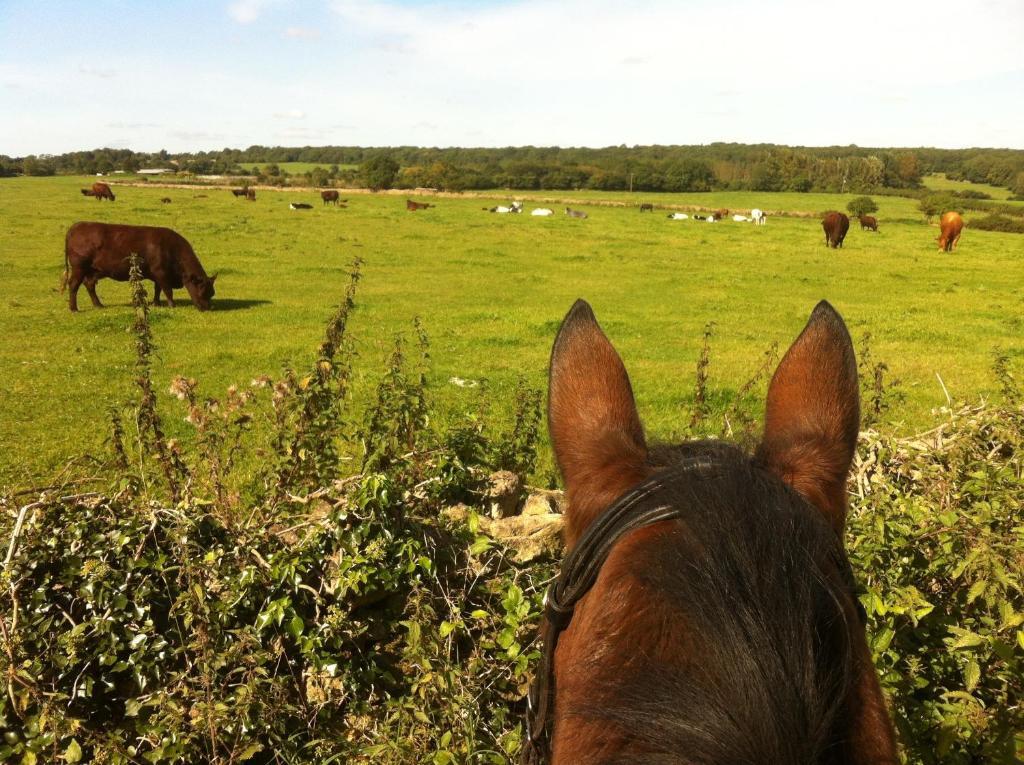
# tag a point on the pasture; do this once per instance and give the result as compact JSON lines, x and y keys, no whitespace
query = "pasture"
{"x":939,"y":182}
{"x":295,"y":168}
{"x":491,"y":290}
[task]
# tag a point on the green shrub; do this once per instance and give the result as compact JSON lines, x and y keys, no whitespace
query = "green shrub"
{"x":936,"y":534}
{"x":859,"y":206}
{"x":937,"y":204}
{"x":996,"y":222}
{"x":174,"y":614}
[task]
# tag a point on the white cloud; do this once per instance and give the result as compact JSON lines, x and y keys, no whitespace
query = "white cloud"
{"x":302,"y":33}
{"x":291,"y":114}
{"x":247,"y":11}
{"x":94,"y":71}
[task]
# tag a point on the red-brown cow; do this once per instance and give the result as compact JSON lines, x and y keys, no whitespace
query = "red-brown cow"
{"x":100,"y":191}
{"x":413,"y":206}
{"x":836,"y":224}
{"x":951,"y":225}
{"x":330,"y":196}
{"x":868,"y":223}
{"x":93,"y":251}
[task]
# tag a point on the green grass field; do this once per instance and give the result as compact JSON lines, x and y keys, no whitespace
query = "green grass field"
{"x":491,"y":291}
{"x":295,"y":168}
{"x":939,"y":182}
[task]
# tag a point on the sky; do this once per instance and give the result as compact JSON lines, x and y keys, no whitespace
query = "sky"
{"x":191,"y":75}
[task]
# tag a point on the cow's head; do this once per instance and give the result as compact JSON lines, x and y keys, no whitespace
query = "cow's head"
{"x":200,"y":288}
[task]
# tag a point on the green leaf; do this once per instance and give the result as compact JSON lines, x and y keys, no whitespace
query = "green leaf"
{"x":73,"y":753}
{"x":249,"y":751}
{"x":967,"y":639}
{"x":972,"y":674}
{"x":977,"y":590}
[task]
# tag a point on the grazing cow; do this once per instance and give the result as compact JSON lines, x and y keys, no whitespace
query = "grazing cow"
{"x":721,"y":214}
{"x":702,"y":217}
{"x":646,"y":207}
{"x":330,"y":196}
{"x":250,"y":195}
{"x":678,"y":216}
{"x":868,"y":223}
{"x":757,"y":217}
{"x":835,"y":224}
{"x":542,"y":212}
{"x":94,"y":251}
{"x":414,"y":206}
{"x":242,"y":192}
{"x":100,"y":191}
{"x":575,"y":213}
{"x":300,"y":206}
{"x":951,"y":225}
{"x":165,"y":200}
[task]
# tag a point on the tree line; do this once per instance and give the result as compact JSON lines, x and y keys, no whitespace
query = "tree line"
{"x":716,"y":166}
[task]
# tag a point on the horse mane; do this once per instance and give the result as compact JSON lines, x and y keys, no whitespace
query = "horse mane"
{"x":753,"y":577}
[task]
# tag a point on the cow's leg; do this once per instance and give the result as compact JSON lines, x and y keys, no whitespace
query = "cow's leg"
{"x":73,"y":283}
{"x":90,"y":285}
{"x":156,"y":293}
{"x":170,"y":296}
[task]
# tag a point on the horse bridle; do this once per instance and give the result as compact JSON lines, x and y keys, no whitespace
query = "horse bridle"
{"x":579,"y":572}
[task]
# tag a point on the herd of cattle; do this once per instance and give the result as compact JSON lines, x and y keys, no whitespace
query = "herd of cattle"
{"x":94,"y":251}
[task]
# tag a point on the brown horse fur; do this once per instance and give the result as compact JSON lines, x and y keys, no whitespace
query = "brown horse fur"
{"x":726,"y":635}
{"x":951,"y":224}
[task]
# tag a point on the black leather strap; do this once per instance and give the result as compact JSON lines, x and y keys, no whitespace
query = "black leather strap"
{"x":578,"y":573}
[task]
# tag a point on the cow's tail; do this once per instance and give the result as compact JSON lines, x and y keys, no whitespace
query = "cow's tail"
{"x":67,"y":270}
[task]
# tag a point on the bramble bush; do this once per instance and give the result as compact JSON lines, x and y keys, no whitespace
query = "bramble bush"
{"x":328,"y":610}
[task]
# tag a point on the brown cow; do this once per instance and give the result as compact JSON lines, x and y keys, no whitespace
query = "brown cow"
{"x":951,"y":224}
{"x":250,"y":194}
{"x":165,"y":200}
{"x":93,"y":251}
{"x":721,"y":214}
{"x":868,"y":223}
{"x":242,"y":192}
{"x":100,"y":191}
{"x":413,"y":206}
{"x":836,"y":224}
{"x":330,"y":196}
{"x":647,"y":207}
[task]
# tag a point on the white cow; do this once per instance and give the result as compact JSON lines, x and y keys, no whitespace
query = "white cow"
{"x":740,"y":218}
{"x":542,"y":212}
{"x":757,"y":217}
{"x":678,"y":216}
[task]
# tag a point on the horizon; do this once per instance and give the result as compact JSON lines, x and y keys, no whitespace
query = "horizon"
{"x":194,"y":76}
{"x":424,"y":147}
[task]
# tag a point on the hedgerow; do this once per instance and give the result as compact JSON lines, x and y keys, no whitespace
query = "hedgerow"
{"x":329,"y":609}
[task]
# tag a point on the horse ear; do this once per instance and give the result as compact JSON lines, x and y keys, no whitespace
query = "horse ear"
{"x":812,"y":416}
{"x":213,"y":278}
{"x":595,"y":429}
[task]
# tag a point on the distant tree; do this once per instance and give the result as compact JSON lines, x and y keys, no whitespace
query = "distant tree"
{"x":36,"y":166}
{"x":379,"y":172}
{"x":859,"y":206}
{"x":319,"y":177}
{"x":130,"y":165}
{"x":271,"y":170}
{"x":1018,"y":186}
